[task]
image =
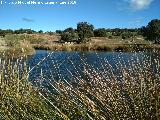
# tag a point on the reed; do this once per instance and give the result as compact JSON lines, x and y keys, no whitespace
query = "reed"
{"x":19,"y":100}
{"x":105,"y":94}
{"x":96,"y":94}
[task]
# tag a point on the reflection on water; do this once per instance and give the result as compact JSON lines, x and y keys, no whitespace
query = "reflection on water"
{"x":65,"y":65}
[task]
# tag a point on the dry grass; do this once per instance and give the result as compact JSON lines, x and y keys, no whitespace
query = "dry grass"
{"x":102,"y":94}
{"x":24,"y":48}
{"x":99,"y":94}
{"x":97,"y":47}
{"x":18,"y":99}
{"x":52,"y":38}
{"x":16,"y":45}
{"x":119,"y":40}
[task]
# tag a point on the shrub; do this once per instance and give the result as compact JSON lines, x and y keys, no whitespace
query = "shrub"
{"x":69,"y":37}
{"x":100,"y":32}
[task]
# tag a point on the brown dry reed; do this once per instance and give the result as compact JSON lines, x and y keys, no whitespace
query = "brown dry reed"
{"x":100,"y":95}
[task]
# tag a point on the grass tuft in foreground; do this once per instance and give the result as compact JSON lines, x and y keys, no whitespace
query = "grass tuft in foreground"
{"x":18,"y":98}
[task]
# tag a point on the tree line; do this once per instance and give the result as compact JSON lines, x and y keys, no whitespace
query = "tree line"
{"x":85,"y":31}
{"x":20,"y":31}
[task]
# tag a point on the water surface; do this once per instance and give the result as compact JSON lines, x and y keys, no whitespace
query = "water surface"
{"x":64,"y":65}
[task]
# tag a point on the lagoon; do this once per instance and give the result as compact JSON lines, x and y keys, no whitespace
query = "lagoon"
{"x":68,"y":66}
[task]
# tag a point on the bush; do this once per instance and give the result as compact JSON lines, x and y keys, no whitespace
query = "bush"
{"x":110,"y":37}
{"x":2,"y":33}
{"x":100,"y":32}
{"x":69,"y":37}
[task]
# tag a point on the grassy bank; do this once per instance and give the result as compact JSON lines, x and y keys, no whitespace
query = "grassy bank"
{"x":17,"y":45}
{"x":22,"y":50}
{"x":99,"y":47}
{"x":101,"y":44}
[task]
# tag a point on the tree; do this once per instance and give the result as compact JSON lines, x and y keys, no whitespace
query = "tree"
{"x":70,"y":30}
{"x":116,"y":32}
{"x":101,"y":32}
{"x":2,"y":33}
{"x":9,"y":31}
{"x":69,"y":37}
{"x":59,"y":31}
{"x":126,"y":35}
{"x":50,"y":33}
{"x":22,"y":31}
{"x":41,"y":31}
{"x":28,"y":31}
{"x":152,"y":31}
{"x":85,"y":31}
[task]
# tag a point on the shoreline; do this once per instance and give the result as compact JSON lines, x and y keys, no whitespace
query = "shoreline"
{"x":18,"y":52}
{"x":107,"y":48}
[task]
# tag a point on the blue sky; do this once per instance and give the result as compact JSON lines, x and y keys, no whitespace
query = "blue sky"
{"x":100,"y":13}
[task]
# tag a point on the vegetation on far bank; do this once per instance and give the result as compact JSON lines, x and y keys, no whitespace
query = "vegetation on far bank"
{"x":85,"y":37}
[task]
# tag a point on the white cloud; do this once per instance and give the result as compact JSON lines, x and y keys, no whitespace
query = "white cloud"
{"x":140,"y":4}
